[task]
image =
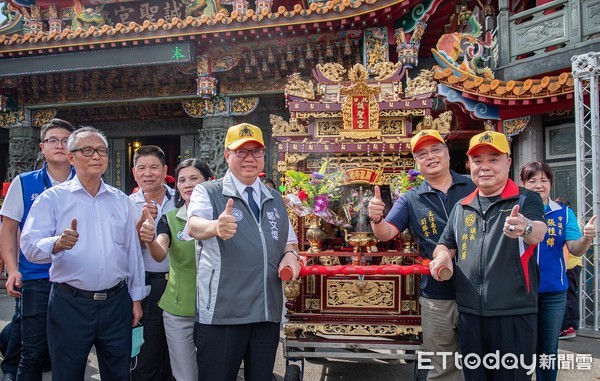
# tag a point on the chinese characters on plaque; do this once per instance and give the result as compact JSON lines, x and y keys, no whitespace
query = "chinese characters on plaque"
{"x":126,"y":12}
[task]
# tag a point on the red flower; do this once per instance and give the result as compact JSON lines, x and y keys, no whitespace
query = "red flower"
{"x":302,"y":195}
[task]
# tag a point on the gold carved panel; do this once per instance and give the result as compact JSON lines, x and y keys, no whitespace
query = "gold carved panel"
{"x":372,"y":161}
{"x":318,"y":115}
{"x":393,"y":126}
{"x":402,"y":112}
{"x":310,"y":284}
{"x":294,"y":330}
{"x":8,"y":119}
{"x":409,"y":306}
{"x":312,"y":304}
{"x":333,"y":127}
{"x":41,"y":117}
{"x":352,"y":293}
{"x":327,"y":128}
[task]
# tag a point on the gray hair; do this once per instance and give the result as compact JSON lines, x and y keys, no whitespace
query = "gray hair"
{"x":85,"y":131}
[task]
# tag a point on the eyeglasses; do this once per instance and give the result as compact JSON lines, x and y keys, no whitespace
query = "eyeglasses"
{"x":422,"y":154}
{"x":543,"y":181}
{"x":55,"y":141}
{"x":243,"y":153}
{"x":89,"y":151}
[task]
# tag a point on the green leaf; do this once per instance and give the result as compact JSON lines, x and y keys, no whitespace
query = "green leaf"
{"x":298,"y":177}
{"x":323,"y":168}
{"x":282,"y":188}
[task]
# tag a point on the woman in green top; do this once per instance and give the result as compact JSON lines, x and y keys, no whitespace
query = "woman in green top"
{"x":179,"y":300}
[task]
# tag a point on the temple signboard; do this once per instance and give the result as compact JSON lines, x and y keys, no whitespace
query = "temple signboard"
{"x":360,"y":111}
{"x":141,"y":11}
{"x":362,"y":175}
{"x":181,"y":52}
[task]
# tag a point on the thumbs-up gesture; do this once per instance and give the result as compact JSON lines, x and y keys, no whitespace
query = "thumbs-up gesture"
{"x":147,"y":232}
{"x":67,"y":239}
{"x":376,"y":206}
{"x":515,"y":223}
{"x":226,"y":225}
{"x":150,"y":205}
{"x":589,"y":230}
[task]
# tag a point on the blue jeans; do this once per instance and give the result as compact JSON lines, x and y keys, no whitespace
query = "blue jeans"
{"x":551,"y":311}
{"x":34,"y":309}
{"x":572,"y":311}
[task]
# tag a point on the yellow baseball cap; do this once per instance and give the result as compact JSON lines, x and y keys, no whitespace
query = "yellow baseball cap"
{"x":243,"y":133}
{"x":425,"y":136}
{"x":493,"y":139}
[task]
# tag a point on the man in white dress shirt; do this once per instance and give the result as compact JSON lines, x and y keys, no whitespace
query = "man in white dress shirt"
{"x":86,"y":230}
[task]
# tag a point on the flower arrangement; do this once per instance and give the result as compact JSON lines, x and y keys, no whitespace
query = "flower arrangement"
{"x":315,"y":193}
{"x":402,"y":182}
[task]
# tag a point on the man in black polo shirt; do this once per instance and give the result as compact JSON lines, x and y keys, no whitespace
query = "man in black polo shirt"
{"x":424,"y":210}
{"x":493,"y":235}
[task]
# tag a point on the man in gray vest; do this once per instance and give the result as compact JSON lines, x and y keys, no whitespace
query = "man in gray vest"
{"x":246,"y":239}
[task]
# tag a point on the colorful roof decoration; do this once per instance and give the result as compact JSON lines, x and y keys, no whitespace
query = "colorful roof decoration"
{"x":476,"y":109}
{"x":316,"y":16}
{"x":512,"y":98}
{"x":523,"y":91}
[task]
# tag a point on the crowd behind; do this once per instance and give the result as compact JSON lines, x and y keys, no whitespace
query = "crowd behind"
{"x":197,"y":265}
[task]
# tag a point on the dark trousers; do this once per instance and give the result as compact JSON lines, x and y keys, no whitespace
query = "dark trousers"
{"x":34,"y":310}
{"x":153,"y":362}
{"x":221,"y":349}
{"x":76,"y":323}
{"x":480,"y":335}
{"x":12,"y":351}
{"x":572,"y":311}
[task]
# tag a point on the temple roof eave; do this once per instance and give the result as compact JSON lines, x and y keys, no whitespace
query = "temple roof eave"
{"x":249,"y":25}
{"x":511,"y":98}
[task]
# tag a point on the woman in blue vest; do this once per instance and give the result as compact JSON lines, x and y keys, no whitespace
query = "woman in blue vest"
{"x":179,"y":299}
{"x":563,"y":229}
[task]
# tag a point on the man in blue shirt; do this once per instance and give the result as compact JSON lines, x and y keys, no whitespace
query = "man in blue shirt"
{"x":28,"y":280}
{"x":431,"y":202}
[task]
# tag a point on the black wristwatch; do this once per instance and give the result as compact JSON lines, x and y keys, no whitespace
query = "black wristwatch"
{"x":295,"y":252}
{"x":528,"y":229}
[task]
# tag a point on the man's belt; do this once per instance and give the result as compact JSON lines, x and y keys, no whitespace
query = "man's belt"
{"x":150,"y":275}
{"x":96,"y":295}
